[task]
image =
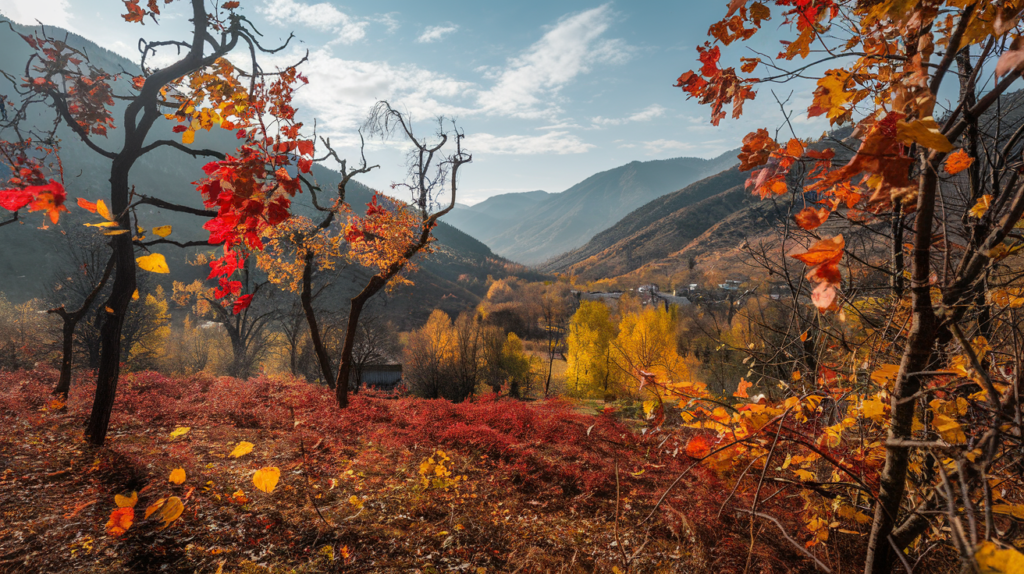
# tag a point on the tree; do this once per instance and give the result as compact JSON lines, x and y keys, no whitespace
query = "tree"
{"x":389,"y":236}
{"x":376,"y":343}
{"x":646,"y":345}
{"x":80,"y":280}
{"x":247,"y":328}
{"x":201,"y":90}
{"x":902,"y":183}
{"x":591,"y":332}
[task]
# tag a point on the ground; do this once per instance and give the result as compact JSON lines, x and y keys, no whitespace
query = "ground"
{"x":533,"y":487}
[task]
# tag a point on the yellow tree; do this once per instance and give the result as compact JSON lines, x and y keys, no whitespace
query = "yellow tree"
{"x":589,"y":355}
{"x":646,"y":345}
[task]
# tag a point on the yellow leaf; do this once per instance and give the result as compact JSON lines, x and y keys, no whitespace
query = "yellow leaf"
{"x":981,"y":206}
{"x":924,"y":131}
{"x":949,"y":430}
{"x":873,"y":409}
{"x":162,"y":231}
{"x":804,"y":475}
{"x":993,"y":560}
{"x":154,"y":263}
{"x":135,"y":297}
{"x":803,"y":336}
{"x":126,"y":501}
{"x":265,"y":479}
{"x":243,"y":448}
{"x":649,"y":408}
{"x":170,"y":511}
{"x":1015,"y":510}
{"x":885,"y":376}
{"x":102,"y":224}
{"x":188,"y":136}
{"x":155,"y":506}
{"x":180,"y":431}
{"x":355,"y":501}
{"x":116,"y":232}
{"x":177,"y":476}
{"x":101,"y":208}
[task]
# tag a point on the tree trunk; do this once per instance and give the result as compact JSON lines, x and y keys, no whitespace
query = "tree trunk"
{"x":67,"y":350}
{"x":345,"y":369}
{"x":916,"y":357}
{"x":306,"y":297}
{"x":113,"y":321}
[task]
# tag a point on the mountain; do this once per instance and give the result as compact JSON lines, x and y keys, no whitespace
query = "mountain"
{"x":533,"y":227}
{"x":696,"y":231}
{"x":453,"y":277}
{"x":495,"y":214}
{"x":656,"y":229}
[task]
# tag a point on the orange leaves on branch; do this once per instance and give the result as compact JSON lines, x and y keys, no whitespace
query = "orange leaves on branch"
{"x":823,"y":258}
{"x":957,"y":162}
{"x":757,"y":148}
{"x":382,"y":238}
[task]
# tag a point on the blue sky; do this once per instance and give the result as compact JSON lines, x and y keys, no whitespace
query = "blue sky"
{"x":548,"y":93}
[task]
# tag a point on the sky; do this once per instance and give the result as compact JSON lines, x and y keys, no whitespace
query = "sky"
{"x":548,"y":93}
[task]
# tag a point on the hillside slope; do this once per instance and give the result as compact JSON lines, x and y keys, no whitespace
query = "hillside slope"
{"x":523,"y":229}
{"x":655,"y":230}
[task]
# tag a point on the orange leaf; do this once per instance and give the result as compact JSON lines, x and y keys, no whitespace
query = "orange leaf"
{"x":811,"y":218}
{"x":120,"y":521}
{"x":957,"y":162}
{"x":698,"y":447}
{"x":823,"y":251}
{"x":86,"y":204}
{"x":741,"y":391}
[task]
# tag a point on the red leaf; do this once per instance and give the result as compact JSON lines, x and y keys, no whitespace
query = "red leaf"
{"x":241,"y":304}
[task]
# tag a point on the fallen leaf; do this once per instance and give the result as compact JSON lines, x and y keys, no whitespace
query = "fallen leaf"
{"x":266,"y":478}
{"x":243,"y":448}
{"x":177,"y":476}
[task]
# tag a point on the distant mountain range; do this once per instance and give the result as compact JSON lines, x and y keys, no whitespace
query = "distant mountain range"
{"x":452,"y":278}
{"x":533,"y":227}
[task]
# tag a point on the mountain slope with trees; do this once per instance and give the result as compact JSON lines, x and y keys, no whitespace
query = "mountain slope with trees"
{"x":530,"y":228}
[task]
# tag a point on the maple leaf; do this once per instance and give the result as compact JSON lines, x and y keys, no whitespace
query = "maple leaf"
{"x":957,"y":162}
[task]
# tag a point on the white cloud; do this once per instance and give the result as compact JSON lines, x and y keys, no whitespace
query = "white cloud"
{"x":567,"y":50}
{"x":662,"y":145}
{"x":556,"y":142}
{"x":390,"y":21}
{"x":341,"y":92}
{"x":322,"y":16}
{"x":649,"y":113}
{"x":435,"y":33}
{"x":50,"y":12}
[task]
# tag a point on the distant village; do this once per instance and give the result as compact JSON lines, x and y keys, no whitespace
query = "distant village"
{"x":650,"y":294}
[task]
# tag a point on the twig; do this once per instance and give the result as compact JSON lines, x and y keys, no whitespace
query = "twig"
{"x":786,"y":535}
